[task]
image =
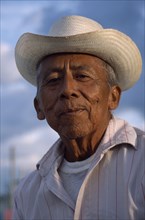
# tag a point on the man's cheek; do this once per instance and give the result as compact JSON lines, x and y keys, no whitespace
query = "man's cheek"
{"x":94,"y":100}
{"x":48,"y":104}
{"x":91,"y":96}
{"x":52,"y":121}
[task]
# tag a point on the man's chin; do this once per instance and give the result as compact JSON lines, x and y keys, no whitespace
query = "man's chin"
{"x":73,"y":132}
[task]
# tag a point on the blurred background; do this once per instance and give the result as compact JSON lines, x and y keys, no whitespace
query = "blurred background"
{"x":24,"y":139}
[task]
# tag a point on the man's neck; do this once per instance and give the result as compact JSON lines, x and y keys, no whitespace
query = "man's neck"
{"x":83,"y":147}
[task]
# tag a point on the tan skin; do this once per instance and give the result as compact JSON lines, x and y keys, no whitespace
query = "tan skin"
{"x":76,"y":100}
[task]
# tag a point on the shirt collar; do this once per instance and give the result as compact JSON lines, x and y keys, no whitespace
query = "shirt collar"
{"x":119,"y":132}
{"x":55,"y":152}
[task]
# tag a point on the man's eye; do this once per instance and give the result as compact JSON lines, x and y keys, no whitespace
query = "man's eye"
{"x":53,"y":81}
{"x":82,"y":77}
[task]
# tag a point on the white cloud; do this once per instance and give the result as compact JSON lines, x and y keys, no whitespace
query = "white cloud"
{"x":68,"y":5}
{"x":133,"y":116}
{"x":29,"y":147}
{"x":15,"y":21}
{"x":9,"y":72}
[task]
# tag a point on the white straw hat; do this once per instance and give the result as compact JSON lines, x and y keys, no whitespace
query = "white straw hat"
{"x":77,"y":34}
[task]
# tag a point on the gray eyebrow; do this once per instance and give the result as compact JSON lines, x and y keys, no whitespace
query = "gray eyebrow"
{"x":55,"y":69}
{"x":84,"y":67}
{"x":73,"y":67}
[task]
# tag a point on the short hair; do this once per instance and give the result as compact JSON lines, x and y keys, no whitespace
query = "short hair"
{"x":111,"y":76}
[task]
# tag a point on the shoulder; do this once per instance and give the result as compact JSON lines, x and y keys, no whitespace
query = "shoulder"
{"x":25,"y":195}
{"x":139,"y":132}
{"x":31,"y":181}
{"x":140,"y":142}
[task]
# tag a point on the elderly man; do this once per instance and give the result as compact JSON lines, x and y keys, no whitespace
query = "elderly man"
{"x":96,"y":169}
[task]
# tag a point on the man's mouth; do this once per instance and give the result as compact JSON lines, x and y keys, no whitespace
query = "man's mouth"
{"x":71,"y":112}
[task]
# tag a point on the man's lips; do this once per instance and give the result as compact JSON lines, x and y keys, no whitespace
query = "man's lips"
{"x":71,"y":111}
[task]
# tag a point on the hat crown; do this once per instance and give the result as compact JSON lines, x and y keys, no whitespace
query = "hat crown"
{"x":73,"y":25}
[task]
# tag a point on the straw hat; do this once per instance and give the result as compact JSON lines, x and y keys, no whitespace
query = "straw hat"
{"x":79,"y":34}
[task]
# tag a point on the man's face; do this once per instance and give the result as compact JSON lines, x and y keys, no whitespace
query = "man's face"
{"x":73,"y":94}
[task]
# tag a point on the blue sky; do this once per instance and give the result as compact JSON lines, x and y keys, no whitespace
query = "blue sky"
{"x":19,"y":125}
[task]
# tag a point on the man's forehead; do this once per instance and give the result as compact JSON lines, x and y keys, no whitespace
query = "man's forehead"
{"x":75,"y":60}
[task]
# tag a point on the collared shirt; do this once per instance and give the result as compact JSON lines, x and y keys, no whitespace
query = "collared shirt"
{"x":114,"y":187}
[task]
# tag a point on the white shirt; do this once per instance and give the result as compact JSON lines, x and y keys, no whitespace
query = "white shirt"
{"x":73,"y":174}
{"x":114,"y":187}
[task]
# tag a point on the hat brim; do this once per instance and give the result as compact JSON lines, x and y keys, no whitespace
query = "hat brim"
{"x":112,"y":46}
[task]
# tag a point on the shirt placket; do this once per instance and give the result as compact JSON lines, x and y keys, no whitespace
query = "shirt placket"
{"x":55,"y":185}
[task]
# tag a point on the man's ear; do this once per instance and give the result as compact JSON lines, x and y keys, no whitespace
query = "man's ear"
{"x":114,"y":97}
{"x":40,"y":114}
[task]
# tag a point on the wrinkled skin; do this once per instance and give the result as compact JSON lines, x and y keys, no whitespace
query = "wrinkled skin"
{"x":75,"y":98}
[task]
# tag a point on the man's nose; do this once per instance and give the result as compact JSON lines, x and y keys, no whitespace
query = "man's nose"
{"x":69,"y":88}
